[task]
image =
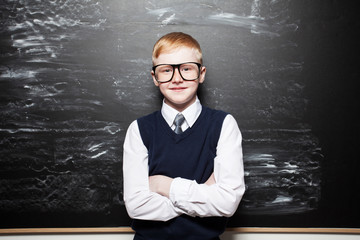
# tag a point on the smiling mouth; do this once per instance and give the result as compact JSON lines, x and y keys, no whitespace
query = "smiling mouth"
{"x":178,"y":88}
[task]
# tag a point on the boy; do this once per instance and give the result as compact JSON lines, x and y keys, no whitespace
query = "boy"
{"x":182,"y":177}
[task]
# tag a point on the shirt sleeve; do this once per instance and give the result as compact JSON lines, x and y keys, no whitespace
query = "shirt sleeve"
{"x":223,"y":197}
{"x":140,"y":202}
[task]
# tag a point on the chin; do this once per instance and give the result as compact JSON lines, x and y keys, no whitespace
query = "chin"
{"x":183,"y":103}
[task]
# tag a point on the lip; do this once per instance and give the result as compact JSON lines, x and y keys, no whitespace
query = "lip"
{"x":178,"y":89}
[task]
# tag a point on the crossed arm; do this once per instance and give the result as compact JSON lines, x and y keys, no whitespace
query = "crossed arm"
{"x":161,"y":184}
{"x":162,"y":198}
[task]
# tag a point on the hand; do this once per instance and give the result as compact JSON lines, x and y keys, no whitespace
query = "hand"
{"x":211,"y":180}
{"x":160,"y":184}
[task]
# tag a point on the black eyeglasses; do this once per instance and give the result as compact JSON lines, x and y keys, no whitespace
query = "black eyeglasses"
{"x":189,"y":71}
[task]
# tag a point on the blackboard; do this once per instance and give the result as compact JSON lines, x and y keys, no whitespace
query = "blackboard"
{"x":74,"y":74}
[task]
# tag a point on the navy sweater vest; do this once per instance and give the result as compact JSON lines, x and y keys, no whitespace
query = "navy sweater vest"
{"x":188,"y":155}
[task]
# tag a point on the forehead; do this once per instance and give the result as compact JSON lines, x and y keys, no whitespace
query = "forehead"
{"x":178,"y":55}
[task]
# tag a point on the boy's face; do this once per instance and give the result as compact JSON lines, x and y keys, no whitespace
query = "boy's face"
{"x":179,"y":93}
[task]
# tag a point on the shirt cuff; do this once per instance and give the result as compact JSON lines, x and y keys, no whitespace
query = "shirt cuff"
{"x":179,"y":193}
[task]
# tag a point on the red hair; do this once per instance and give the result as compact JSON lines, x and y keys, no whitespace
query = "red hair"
{"x":174,"y":40}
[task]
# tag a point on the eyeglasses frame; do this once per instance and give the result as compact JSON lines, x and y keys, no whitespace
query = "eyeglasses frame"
{"x":178,"y":67}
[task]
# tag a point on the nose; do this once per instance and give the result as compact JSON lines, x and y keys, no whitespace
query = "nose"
{"x":177,"y":77}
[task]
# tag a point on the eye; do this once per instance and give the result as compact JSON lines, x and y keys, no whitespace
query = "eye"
{"x":165,"y":69}
{"x":187,"y":68}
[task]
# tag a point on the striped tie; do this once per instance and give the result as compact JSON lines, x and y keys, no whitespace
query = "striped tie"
{"x":179,"y":119}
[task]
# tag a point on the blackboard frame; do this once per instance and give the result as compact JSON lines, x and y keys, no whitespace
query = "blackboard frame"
{"x":122,"y":230}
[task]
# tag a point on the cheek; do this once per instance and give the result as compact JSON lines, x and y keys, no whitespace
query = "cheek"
{"x":163,"y":87}
{"x":194,"y":85}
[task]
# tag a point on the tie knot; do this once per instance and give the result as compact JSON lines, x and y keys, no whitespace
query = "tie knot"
{"x":179,"y":119}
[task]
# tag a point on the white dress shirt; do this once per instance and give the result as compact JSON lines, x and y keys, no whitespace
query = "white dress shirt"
{"x":186,"y":195}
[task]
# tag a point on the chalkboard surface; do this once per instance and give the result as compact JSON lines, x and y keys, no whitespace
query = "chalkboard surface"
{"x":74,"y":74}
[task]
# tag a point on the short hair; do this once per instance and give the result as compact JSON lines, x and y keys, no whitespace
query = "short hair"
{"x":174,"y":40}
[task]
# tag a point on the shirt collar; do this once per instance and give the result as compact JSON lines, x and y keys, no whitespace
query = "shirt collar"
{"x":191,"y":113}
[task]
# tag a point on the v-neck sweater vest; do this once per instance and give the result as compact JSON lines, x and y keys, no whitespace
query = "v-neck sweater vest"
{"x":188,"y":155}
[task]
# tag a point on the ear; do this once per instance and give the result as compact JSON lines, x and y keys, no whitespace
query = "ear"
{"x":202,"y":74}
{"x":153,"y":77}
